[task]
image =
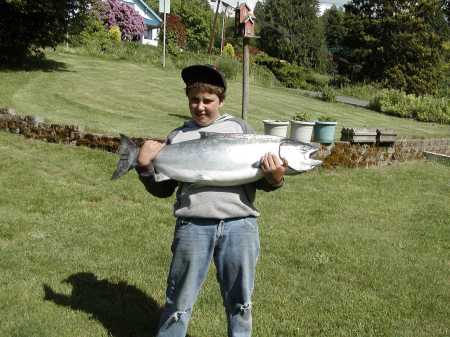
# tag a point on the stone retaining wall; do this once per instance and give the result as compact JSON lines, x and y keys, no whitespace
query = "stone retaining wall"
{"x":357,"y":155}
{"x":36,"y":128}
{"x":339,"y":154}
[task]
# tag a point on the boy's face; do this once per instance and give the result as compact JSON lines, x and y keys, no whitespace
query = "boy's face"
{"x":204,"y":107}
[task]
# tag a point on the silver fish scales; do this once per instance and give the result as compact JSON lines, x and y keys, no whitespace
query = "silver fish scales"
{"x":217,"y":159}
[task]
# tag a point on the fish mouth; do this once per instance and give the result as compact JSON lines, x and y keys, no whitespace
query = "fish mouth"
{"x":314,"y":154}
{"x":314,"y":158}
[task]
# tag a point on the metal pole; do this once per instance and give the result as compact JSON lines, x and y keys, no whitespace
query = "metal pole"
{"x":213,"y":31}
{"x":245,"y":77}
{"x":164,"y":37}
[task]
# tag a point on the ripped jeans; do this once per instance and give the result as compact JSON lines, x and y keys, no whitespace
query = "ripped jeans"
{"x":234,"y":246}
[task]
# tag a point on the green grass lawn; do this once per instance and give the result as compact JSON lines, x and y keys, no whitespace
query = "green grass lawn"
{"x":143,"y":100}
{"x":362,"y":252}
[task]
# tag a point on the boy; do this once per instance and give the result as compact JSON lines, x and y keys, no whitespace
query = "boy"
{"x":212,"y":222}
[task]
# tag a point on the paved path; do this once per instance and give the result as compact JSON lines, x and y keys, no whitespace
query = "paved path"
{"x":353,"y":101}
{"x":341,"y":99}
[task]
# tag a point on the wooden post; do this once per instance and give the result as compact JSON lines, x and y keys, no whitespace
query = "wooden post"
{"x":245,"y":77}
{"x":213,"y":31}
{"x":222,"y":37}
{"x":164,"y":37}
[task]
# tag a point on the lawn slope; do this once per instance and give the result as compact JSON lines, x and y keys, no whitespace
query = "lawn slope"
{"x":143,"y":100}
{"x":360,"y":252}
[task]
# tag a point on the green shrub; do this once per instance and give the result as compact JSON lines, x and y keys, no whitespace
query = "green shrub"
{"x":291,"y":75}
{"x":302,"y":116}
{"x":422,"y":108}
{"x":115,"y":34}
{"x":326,"y":118}
{"x":230,"y":67}
{"x":263,"y":76}
{"x":328,"y":94}
{"x":97,"y":43}
{"x":228,"y":50}
{"x":361,"y":90}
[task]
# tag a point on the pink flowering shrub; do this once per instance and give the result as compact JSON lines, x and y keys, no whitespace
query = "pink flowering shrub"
{"x":117,"y":13}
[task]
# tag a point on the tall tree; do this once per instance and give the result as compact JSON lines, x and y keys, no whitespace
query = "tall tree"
{"x":393,"y":41}
{"x":291,"y":30}
{"x":333,"y":20}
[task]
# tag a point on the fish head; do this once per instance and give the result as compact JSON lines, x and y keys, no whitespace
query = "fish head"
{"x":298,"y":156}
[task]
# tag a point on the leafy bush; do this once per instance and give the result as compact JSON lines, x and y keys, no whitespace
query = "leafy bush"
{"x":171,"y":43}
{"x":95,"y":39}
{"x":422,"y":108}
{"x":175,"y":31}
{"x":302,"y":116}
{"x":362,"y":91}
{"x":229,"y":66}
{"x":115,"y":34}
{"x":263,"y":76}
{"x":292,"y":76}
{"x":228,"y":50}
{"x":326,"y":118}
{"x":328,"y":94}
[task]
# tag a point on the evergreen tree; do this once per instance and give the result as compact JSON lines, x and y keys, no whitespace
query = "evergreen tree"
{"x":333,"y":20}
{"x":291,"y":30}
{"x":394,"y":42}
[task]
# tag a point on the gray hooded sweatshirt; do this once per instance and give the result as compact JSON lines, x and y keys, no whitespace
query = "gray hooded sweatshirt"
{"x":195,"y":201}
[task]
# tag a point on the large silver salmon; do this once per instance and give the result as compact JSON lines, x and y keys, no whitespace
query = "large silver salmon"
{"x":219,"y":159}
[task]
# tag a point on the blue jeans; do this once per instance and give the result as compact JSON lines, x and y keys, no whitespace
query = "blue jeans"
{"x":234,"y":246}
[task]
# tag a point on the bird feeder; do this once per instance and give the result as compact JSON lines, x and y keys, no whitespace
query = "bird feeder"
{"x":244,"y":21}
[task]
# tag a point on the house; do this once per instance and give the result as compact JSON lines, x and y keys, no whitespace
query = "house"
{"x":152,"y":21}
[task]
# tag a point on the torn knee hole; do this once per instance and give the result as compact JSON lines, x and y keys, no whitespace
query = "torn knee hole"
{"x":176,"y":316}
{"x":242,"y":308}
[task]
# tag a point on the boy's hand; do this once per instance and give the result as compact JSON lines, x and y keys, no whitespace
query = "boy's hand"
{"x":273,"y":168}
{"x":148,"y":152}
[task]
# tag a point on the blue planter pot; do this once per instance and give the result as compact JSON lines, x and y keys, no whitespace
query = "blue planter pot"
{"x":324,"y":132}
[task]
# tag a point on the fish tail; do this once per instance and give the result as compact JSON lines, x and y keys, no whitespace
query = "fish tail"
{"x":128,"y":151}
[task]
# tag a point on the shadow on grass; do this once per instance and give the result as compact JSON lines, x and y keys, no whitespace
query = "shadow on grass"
{"x":123,"y":309}
{"x":34,"y":63}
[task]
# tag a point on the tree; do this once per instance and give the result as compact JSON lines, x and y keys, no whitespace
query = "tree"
{"x":394,"y":42}
{"x":333,"y":20}
{"x":291,"y":30}
{"x":196,"y":17}
{"x":26,"y":26}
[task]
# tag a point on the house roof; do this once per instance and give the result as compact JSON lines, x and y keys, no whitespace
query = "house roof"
{"x":154,"y":19}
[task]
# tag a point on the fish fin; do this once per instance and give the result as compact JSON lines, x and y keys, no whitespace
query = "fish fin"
{"x":128,"y":151}
{"x":257,"y":164}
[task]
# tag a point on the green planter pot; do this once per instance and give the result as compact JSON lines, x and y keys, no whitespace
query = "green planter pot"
{"x":324,"y":132}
